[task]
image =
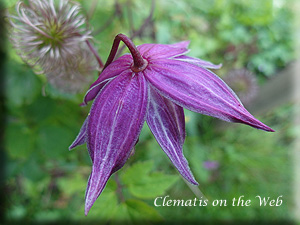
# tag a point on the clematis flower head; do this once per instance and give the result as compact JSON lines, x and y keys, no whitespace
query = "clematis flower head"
{"x":151,"y":84}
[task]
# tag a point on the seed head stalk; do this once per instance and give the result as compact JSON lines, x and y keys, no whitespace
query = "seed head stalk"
{"x":91,"y":47}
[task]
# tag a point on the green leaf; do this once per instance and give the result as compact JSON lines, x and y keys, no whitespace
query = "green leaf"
{"x":72,"y":185}
{"x":137,"y":172}
{"x":152,"y":186}
{"x":135,"y":211}
{"x":144,"y":185}
{"x":105,"y":206}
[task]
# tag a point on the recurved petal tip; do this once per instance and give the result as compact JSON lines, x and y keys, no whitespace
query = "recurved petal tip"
{"x":116,"y":68}
{"x":218,"y":66}
{"x":72,"y":146}
{"x":80,"y":139}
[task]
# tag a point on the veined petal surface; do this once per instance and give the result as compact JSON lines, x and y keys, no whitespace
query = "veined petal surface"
{"x":161,"y":51}
{"x":116,"y":119}
{"x":181,"y":44}
{"x":80,"y":139}
{"x":199,"y":90}
{"x":198,"y":62}
{"x":166,"y":121}
{"x":116,"y":68}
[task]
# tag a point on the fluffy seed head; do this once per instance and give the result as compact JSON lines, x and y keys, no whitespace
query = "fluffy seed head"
{"x":45,"y":33}
{"x":50,"y":36}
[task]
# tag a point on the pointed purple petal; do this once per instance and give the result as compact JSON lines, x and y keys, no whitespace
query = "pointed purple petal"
{"x":116,"y":119}
{"x":114,"y":69}
{"x":198,"y":62}
{"x":199,"y":90}
{"x":166,"y":121}
{"x":80,"y":139}
{"x":158,"y":51}
{"x":96,"y":183}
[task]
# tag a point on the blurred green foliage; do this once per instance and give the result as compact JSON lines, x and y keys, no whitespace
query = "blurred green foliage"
{"x":46,"y":182}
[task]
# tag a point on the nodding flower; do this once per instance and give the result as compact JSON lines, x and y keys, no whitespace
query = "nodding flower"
{"x":153,"y":84}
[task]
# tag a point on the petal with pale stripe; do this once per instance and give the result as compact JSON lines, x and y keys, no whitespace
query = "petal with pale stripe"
{"x":80,"y":139}
{"x":198,"y":62}
{"x":116,"y":119}
{"x":116,"y":68}
{"x":161,"y":51}
{"x":166,"y":121}
{"x":199,"y":90}
{"x":181,"y":44}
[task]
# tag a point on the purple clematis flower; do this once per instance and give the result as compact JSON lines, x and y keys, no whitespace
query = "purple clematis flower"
{"x":151,"y":84}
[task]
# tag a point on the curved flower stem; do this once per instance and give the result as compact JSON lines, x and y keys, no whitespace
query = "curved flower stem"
{"x":139,"y":63}
{"x":95,"y":53}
